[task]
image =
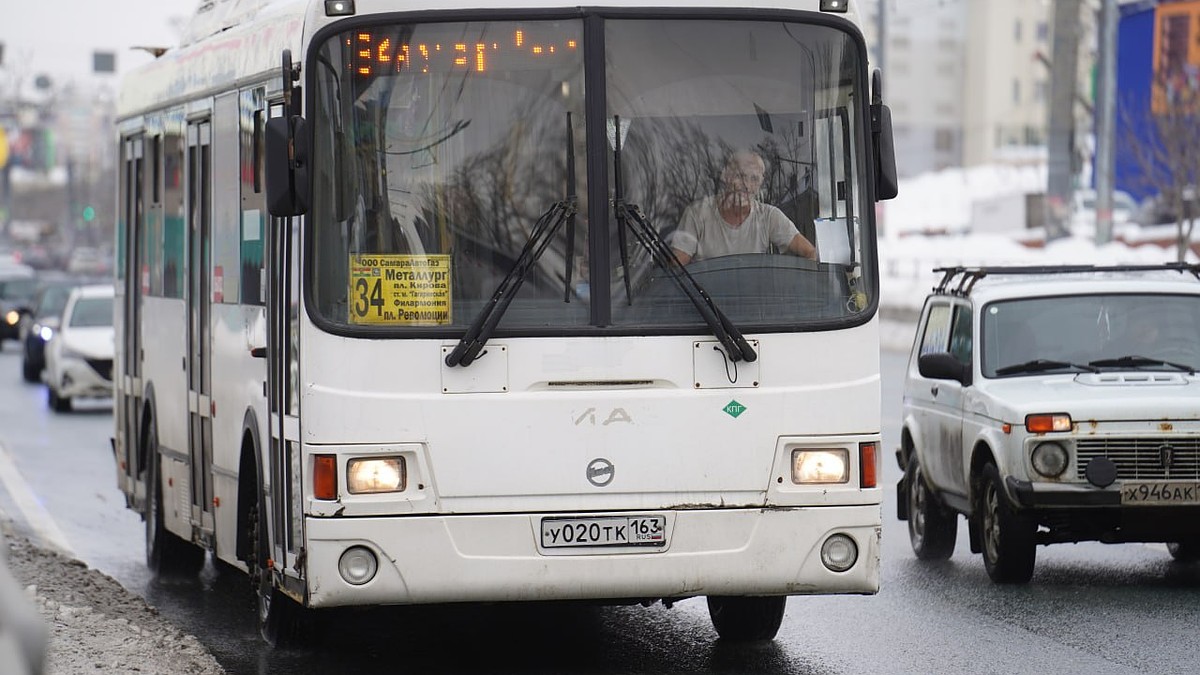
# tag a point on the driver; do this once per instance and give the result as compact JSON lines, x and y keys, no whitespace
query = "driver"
{"x":734,"y":221}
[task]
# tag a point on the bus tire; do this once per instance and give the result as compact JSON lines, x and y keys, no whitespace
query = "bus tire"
{"x":746,"y":619}
{"x":932,"y":530}
{"x":282,"y":622}
{"x":1009,"y":538}
{"x":166,"y":553}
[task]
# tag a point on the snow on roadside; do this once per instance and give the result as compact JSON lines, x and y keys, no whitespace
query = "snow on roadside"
{"x":95,"y":625}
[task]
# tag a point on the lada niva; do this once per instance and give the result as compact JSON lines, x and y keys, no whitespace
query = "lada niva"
{"x":1053,"y":404}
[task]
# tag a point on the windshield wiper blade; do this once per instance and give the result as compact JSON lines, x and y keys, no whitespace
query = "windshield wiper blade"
{"x":1137,"y":361}
{"x":1039,"y":365}
{"x":469,"y":347}
{"x":737,"y":348}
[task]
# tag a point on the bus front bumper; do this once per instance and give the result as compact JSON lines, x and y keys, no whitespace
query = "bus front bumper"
{"x":499,"y":558}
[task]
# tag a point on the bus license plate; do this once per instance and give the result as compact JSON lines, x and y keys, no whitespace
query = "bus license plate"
{"x":1160,"y":493}
{"x":604,"y":531}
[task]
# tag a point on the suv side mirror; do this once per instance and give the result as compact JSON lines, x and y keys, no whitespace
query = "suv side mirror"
{"x":943,"y":366}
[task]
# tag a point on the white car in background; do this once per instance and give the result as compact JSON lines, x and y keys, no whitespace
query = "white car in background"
{"x":79,"y":359}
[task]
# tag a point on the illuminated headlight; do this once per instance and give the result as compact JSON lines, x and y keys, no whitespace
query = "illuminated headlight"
{"x":820,"y":466}
{"x":375,"y":474}
{"x":358,"y":565}
{"x":46,"y":332}
{"x":12,"y":317}
{"x":839,"y":553}
{"x":1050,"y":459}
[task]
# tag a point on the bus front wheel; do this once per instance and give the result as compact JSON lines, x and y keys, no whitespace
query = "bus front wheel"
{"x":282,"y":622}
{"x":746,"y":619}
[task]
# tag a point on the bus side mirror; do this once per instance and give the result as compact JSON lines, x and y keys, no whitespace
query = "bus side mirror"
{"x":287,"y":166}
{"x":883,"y":144}
{"x":886,"y":184}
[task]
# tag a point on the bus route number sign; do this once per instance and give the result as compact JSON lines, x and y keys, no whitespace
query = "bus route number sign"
{"x":400,"y":290}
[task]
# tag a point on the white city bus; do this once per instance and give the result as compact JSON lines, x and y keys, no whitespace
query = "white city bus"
{"x":399,"y":319}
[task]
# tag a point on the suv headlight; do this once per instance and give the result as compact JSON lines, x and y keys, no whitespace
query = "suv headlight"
{"x":1050,"y":459}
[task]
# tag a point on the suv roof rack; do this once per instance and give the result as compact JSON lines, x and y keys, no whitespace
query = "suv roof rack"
{"x":968,"y":276}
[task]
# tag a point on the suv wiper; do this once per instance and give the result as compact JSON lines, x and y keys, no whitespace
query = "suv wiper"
{"x":737,"y":348}
{"x":473,"y":341}
{"x":1137,"y":361}
{"x":1039,"y":365}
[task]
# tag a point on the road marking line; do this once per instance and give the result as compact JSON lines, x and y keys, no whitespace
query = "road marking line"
{"x":45,"y":530}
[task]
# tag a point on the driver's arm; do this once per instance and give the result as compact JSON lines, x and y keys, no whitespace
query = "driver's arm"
{"x":802,"y":247}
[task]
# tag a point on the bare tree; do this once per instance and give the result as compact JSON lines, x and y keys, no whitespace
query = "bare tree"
{"x":1168,"y":153}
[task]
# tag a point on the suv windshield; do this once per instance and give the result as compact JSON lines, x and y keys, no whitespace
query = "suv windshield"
{"x":1091,"y":332}
{"x":438,"y":146}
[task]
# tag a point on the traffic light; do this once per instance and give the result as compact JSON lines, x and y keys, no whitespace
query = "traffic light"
{"x":89,"y":214}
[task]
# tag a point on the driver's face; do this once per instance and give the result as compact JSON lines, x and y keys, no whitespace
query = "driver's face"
{"x":742,"y":179}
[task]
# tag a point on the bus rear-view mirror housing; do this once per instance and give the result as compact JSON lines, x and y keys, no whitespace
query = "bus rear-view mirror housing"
{"x":287,"y":166}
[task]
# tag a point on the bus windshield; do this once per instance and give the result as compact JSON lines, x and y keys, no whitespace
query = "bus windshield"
{"x":437,"y":147}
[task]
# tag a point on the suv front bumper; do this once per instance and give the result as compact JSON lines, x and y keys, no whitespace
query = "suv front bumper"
{"x":1082,"y":512}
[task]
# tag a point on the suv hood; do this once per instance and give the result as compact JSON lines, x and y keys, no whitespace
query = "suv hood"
{"x":1114,"y":395}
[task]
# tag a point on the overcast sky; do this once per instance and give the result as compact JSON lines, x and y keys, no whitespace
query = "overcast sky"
{"x":58,"y":37}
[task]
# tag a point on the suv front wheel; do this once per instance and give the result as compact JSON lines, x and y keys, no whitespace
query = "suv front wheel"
{"x":932,"y":530}
{"x":1009,"y":544}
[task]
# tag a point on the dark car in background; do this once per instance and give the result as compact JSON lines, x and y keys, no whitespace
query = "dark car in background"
{"x":40,"y":324}
{"x":17,"y":287}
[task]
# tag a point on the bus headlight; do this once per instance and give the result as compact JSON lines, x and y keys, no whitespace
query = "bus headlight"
{"x":820,"y":466}
{"x":375,"y":474}
{"x":1049,"y":459}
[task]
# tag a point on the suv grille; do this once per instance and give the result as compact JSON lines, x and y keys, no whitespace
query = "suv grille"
{"x":1142,"y":458}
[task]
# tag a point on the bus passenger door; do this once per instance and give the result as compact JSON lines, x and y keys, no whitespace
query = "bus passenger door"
{"x":198,"y":366}
{"x":129,"y":288}
{"x":283,"y":398}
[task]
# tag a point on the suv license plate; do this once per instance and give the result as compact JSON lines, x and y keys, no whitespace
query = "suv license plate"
{"x":1159,"y":493}
{"x":604,"y":531}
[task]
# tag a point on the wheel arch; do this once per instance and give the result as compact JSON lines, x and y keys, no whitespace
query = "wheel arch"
{"x":250,"y":472}
{"x":147,"y":415}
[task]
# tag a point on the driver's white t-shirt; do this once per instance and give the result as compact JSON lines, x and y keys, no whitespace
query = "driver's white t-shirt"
{"x":703,"y":233}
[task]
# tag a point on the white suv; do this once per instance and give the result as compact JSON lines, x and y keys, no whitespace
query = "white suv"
{"x":1053,"y":404}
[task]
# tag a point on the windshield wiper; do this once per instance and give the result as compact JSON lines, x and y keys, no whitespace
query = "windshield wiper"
{"x":1137,"y":361}
{"x":469,"y":347}
{"x":737,"y":348}
{"x":1039,"y":365}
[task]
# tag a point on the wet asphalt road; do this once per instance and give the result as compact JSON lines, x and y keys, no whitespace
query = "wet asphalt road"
{"x":1090,"y":608}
